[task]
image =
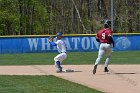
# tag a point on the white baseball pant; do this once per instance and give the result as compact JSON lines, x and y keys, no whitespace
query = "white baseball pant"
{"x":104,"y":49}
{"x":60,"y":57}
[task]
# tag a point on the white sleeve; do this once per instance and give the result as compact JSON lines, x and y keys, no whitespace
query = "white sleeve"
{"x":57,"y":42}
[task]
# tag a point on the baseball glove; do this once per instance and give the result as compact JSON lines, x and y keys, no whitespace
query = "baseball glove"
{"x":50,"y":38}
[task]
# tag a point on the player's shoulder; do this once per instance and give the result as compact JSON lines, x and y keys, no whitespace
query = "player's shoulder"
{"x":101,"y":30}
{"x":109,"y":31}
{"x":59,"y":41}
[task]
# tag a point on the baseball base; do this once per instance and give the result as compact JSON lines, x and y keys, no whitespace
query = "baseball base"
{"x":68,"y":70}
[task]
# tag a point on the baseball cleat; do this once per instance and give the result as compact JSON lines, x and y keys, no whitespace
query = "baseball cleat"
{"x":94,"y":70}
{"x":59,"y":70}
{"x":106,"y":69}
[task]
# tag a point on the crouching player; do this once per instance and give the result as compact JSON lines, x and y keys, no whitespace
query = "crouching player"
{"x":61,"y":46}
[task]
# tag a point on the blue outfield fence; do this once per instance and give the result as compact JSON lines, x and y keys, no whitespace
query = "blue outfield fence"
{"x":29,"y":44}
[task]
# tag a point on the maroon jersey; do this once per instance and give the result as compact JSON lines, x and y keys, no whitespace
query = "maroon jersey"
{"x":103,"y":35}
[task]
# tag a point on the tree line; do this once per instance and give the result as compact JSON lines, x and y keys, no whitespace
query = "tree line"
{"x":37,"y":17}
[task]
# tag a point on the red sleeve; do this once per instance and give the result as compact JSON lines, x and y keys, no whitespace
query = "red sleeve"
{"x":109,"y":33}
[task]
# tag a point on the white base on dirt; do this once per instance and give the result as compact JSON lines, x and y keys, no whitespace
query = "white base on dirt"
{"x":68,"y":70}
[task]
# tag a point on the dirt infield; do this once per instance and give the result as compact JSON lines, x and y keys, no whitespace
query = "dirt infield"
{"x":120,"y":79}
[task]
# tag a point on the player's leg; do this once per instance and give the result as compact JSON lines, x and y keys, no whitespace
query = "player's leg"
{"x":100,"y":55}
{"x":58,"y":63}
{"x":58,"y":59}
{"x":108,"y":54}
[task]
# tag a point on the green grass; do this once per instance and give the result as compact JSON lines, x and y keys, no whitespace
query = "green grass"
{"x":52,"y":84}
{"x":125,"y":57}
{"x":40,"y":84}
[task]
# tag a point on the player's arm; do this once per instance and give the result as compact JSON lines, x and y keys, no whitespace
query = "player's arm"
{"x":53,"y":43}
{"x":50,"y":39}
{"x":111,"y":40}
{"x":97,"y":38}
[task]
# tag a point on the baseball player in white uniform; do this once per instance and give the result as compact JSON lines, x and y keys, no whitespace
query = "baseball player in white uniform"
{"x":61,"y":46}
{"x":104,"y":36}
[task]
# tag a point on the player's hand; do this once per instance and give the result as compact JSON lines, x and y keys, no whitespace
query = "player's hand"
{"x":50,"y":39}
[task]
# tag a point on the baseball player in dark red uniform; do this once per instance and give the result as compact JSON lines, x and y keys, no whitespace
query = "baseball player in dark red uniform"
{"x":104,"y":36}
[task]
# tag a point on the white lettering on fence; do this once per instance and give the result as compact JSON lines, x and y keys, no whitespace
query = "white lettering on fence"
{"x":45,"y":44}
{"x":33,"y":43}
{"x":85,"y":43}
{"x":76,"y":41}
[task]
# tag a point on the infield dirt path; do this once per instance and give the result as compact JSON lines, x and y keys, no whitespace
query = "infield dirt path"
{"x":120,"y":79}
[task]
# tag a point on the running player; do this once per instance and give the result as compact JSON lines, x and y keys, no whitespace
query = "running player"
{"x":61,"y":49}
{"x":104,"y":36}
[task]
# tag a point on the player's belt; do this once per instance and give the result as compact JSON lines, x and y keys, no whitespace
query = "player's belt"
{"x":63,"y":52}
{"x":105,"y":42}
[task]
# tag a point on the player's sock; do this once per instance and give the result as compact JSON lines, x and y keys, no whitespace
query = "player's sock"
{"x":58,"y":65}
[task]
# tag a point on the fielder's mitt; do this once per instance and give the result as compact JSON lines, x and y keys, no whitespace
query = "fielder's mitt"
{"x":50,"y":38}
